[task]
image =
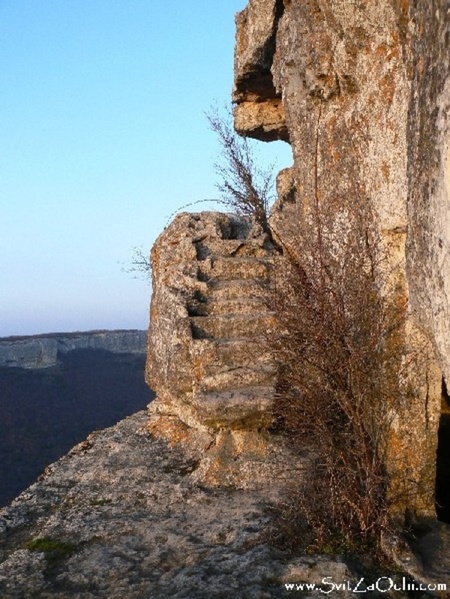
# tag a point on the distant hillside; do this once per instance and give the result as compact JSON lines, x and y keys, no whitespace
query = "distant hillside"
{"x":46,"y":411}
{"x":43,"y":351}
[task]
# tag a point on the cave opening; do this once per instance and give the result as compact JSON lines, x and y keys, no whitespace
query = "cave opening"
{"x":443,"y":460}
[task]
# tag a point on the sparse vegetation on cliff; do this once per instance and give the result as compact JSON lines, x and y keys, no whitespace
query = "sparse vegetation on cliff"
{"x":54,"y":550}
{"x":244,"y":186}
{"x":338,"y":381}
{"x":337,"y":356}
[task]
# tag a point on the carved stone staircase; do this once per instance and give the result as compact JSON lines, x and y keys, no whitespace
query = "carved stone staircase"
{"x":209,"y":358}
{"x":231,"y":320}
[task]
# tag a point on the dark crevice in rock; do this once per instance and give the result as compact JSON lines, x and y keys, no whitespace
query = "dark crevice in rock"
{"x":196,"y":306}
{"x":199,"y":332}
{"x":259,"y":81}
{"x":235,"y":228}
{"x":443,"y":460}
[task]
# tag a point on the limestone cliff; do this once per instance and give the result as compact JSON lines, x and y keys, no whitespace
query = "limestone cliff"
{"x":41,"y":351}
{"x":361,"y":92}
{"x":209,"y":360}
{"x":364,"y":106}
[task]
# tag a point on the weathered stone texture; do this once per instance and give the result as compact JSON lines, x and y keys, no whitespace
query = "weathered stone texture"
{"x":138,"y":526}
{"x":259,"y":111}
{"x":365,"y":93}
{"x":209,"y":358}
{"x":428,"y":132}
{"x":209,"y":272}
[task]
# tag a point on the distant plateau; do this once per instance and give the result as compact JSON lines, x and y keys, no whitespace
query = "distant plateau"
{"x":55,"y":389}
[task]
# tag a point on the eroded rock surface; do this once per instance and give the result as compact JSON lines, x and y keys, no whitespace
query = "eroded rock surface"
{"x":259,"y":111}
{"x":127,"y":519}
{"x":211,"y":277}
{"x":365,"y":106}
{"x":209,"y":358}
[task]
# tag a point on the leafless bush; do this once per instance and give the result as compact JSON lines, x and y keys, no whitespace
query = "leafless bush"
{"x":244,"y":186}
{"x":140,"y":265}
{"x":338,"y":381}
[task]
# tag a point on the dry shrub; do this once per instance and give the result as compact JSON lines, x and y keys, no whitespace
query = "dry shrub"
{"x":244,"y":186}
{"x":338,"y":365}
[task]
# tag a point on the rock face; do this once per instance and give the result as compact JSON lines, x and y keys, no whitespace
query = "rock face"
{"x":41,"y":351}
{"x":428,"y":175}
{"x":361,"y":92}
{"x":209,"y":358}
{"x":364,"y":89}
{"x":259,"y":110}
{"x":210,"y":275}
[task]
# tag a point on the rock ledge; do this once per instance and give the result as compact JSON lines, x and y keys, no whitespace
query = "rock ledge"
{"x":130,"y":521}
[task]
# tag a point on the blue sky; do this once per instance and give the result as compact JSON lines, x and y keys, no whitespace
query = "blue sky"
{"x":103,"y":137}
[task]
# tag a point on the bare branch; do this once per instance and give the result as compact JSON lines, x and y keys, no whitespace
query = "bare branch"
{"x":243,"y":186}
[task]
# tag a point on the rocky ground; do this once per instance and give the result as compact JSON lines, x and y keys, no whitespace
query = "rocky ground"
{"x":121,"y":517}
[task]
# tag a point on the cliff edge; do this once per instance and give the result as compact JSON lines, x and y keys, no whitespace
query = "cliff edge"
{"x":120,"y":516}
{"x":152,"y":507}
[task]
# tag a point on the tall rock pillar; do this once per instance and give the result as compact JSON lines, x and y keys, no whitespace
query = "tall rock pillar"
{"x":209,"y":358}
{"x":361,"y":92}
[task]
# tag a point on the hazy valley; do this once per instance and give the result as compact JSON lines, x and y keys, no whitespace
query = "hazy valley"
{"x":45,"y":411}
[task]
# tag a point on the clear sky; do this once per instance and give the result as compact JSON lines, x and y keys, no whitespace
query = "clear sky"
{"x":103,"y":137}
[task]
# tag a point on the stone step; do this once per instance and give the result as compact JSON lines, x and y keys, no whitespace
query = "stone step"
{"x":227,"y":306}
{"x":234,"y":268}
{"x":237,"y":289}
{"x":236,"y":408}
{"x":226,"y":327}
{"x":236,"y":378}
{"x":213,"y":355}
{"x":231,"y":248}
